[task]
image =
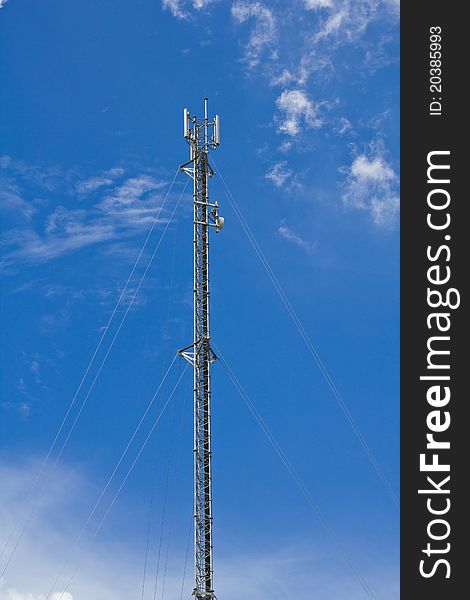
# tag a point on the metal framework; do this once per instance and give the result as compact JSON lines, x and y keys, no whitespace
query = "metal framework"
{"x":202,"y":136}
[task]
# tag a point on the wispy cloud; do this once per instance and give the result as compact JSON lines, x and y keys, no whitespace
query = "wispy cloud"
{"x":10,"y":198}
{"x":372,"y":186}
{"x":20,"y":401}
{"x":175,"y":7}
{"x":293,"y":45}
{"x":287,"y":233}
{"x":316,"y":4}
{"x":201,"y":4}
{"x":49,"y":538}
{"x":23,"y":394}
{"x":289,"y":570}
{"x":47,"y":178}
{"x":28,"y":245}
{"x":343,"y":126}
{"x":2,"y":3}
{"x":283,"y":77}
{"x":263,"y":32}
{"x":14,"y":594}
{"x":279,"y":173}
{"x":327,"y":26}
{"x":35,"y":368}
{"x":117,"y":207}
{"x":181,"y":9}
{"x":132,"y":189}
{"x":343,"y":21}
{"x":106,"y":178}
{"x":295,"y":109}
{"x":15,"y":173}
{"x":394,"y":6}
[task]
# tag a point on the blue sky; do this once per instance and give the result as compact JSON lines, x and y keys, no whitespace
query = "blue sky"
{"x":91,"y":136}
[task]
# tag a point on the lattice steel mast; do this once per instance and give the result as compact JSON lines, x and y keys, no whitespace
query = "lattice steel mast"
{"x":202,"y":135}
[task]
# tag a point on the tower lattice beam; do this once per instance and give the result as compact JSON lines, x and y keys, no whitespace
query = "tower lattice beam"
{"x":202,"y":135}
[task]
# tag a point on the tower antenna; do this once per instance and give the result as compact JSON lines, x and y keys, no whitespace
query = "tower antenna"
{"x":202,"y":135}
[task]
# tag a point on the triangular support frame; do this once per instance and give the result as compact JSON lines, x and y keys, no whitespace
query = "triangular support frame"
{"x":190,"y":356}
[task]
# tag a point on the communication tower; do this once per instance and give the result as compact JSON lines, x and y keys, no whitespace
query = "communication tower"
{"x":202,"y":135}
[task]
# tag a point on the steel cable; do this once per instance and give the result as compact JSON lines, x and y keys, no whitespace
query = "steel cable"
{"x":126,"y":477}
{"x":297,"y":322}
{"x":186,"y":559}
{"x":77,"y":391}
{"x":149,"y":524}
{"x":111,"y":477}
{"x":165,"y":497}
{"x":165,"y":344}
{"x":175,"y":481}
{"x":294,"y":475}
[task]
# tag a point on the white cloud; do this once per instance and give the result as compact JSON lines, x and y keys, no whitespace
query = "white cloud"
{"x":333,"y":24}
{"x":127,"y":207}
{"x":336,"y":23}
{"x":283,"y":78}
{"x":347,"y":20}
{"x":45,"y":178}
{"x":35,"y":369}
{"x":113,"y":566}
{"x":371,"y":169}
{"x":2,"y":3}
{"x":296,"y":109}
{"x":92,"y":184}
{"x":133,"y":189}
{"x":21,"y":401}
{"x":296,"y":74}
{"x":343,"y":126}
{"x":315,"y":4}
{"x":181,"y":9}
{"x":32,"y":247}
{"x":10,"y":198}
{"x":287,"y":233}
{"x":174,"y":6}
{"x":285,"y":146}
{"x":385,"y":210}
{"x":201,"y":4}
{"x":15,"y":173}
{"x":60,"y":506}
{"x":14,"y":594}
{"x":394,"y":6}
{"x":372,"y":185}
{"x":263,"y":32}
{"x":279,"y":173}
{"x":134,"y":203}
